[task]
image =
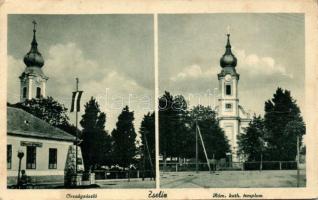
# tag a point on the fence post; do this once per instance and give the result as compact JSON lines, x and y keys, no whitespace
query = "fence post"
{"x":280,"y":165}
{"x":176,"y":167}
{"x":138,"y":173}
{"x":261,"y":164}
{"x":298,"y":173}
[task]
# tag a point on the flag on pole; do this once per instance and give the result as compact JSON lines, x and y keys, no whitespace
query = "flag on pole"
{"x":76,"y":99}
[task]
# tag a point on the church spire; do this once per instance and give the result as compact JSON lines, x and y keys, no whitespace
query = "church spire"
{"x":34,"y":44}
{"x":228,"y":44}
{"x":34,"y":58}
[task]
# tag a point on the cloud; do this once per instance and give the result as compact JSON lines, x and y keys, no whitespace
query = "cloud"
{"x":249,"y":64}
{"x":194,"y":72}
{"x":257,"y":65}
{"x":67,"y":61}
{"x":259,"y":70}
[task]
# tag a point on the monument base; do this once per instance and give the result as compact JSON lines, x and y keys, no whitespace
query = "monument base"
{"x":73,"y":180}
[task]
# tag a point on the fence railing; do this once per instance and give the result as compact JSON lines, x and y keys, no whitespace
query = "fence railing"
{"x":255,"y":165}
{"x":110,"y":174}
{"x":270,"y":165}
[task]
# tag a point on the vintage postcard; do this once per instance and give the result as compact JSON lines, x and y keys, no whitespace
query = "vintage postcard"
{"x":204,"y":99}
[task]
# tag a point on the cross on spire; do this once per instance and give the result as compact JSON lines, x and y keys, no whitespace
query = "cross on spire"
{"x":34,"y":44}
{"x":34,"y":25}
{"x":228,"y":29}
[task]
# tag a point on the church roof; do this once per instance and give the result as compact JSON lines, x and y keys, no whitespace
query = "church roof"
{"x":228,"y":59}
{"x":24,"y":124}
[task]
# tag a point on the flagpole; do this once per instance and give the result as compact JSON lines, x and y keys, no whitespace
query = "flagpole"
{"x":76,"y":121}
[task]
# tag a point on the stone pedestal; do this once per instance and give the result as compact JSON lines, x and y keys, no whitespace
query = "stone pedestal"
{"x":73,"y":180}
{"x":76,"y":179}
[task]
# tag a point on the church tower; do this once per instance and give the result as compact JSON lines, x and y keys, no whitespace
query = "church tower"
{"x":32,"y":80}
{"x":228,"y":108}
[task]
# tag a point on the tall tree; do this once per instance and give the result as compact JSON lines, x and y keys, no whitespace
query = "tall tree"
{"x":96,"y":144}
{"x":251,"y":144}
{"x":181,"y":130}
{"x":124,"y":137}
{"x":147,"y":131}
{"x":281,"y":111}
{"x":213,"y":136}
{"x":172,"y":125}
{"x":47,"y":109}
{"x":293,"y":130}
{"x":165,"y":124}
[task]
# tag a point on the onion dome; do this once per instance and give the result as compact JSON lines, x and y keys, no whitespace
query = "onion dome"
{"x":34,"y":58}
{"x":228,"y":59}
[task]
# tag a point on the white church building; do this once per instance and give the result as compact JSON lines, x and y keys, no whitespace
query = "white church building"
{"x":231,"y":115}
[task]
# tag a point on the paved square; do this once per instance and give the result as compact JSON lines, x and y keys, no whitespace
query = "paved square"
{"x":232,"y":179}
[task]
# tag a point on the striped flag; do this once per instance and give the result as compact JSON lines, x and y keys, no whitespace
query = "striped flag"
{"x":76,"y":99}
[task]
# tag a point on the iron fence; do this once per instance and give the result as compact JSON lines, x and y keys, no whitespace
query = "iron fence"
{"x":125,"y":174}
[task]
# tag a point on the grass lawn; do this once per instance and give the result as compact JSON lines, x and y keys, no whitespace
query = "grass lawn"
{"x":232,"y":179}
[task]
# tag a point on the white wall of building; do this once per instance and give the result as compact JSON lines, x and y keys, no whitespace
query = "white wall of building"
{"x":42,"y":156}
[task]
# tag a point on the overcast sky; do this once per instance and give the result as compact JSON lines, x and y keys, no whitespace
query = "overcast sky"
{"x":269,"y":49}
{"x":103,"y":51}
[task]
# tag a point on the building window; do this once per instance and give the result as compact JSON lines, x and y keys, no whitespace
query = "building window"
{"x":38,"y":92}
{"x":228,"y":90}
{"x":31,"y":157}
{"x":24,"y":92}
{"x":228,"y":106}
{"x":9,"y":156}
{"x":52,"y":158}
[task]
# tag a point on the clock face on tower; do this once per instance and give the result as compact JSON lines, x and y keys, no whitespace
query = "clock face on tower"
{"x":228,"y":77}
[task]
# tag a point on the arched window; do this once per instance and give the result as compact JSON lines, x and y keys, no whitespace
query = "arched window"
{"x":24,"y":92}
{"x":38,"y":92}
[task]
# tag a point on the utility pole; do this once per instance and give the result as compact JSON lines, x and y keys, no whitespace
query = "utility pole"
{"x":150,"y":161}
{"x":76,"y":122}
{"x":204,"y":150}
{"x":144,"y":165}
{"x":261,"y":166}
{"x":298,"y":161}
